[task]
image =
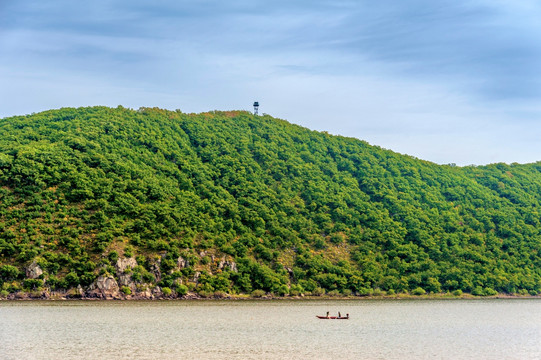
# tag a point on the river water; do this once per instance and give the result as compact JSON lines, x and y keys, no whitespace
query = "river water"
{"x":280,"y":329}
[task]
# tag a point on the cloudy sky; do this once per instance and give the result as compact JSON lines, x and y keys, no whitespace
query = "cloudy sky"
{"x":449,"y":81}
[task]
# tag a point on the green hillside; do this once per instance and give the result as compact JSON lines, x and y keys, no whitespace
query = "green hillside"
{"x":101,"y":202}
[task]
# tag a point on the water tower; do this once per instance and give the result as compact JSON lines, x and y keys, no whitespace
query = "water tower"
{"x":256,"y":107}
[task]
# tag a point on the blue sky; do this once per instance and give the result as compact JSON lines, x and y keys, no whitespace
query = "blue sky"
{"x":445,"y":81}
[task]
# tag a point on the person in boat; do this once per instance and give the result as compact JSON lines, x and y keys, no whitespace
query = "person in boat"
{"x":327,"y":314}
{"x":339,"y":315}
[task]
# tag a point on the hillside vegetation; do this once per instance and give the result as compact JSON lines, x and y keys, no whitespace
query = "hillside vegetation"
{"x":111,"y":202}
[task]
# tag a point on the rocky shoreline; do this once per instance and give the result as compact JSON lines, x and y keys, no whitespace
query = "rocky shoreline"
{"x":158,"y":295}
{"x":122,"y":286}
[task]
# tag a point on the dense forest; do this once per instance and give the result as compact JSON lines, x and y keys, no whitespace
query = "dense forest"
{"x":103,"y":202}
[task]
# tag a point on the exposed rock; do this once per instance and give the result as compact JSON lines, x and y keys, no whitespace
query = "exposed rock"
{"x":19,"y":295}
{"x":33,"y":271}
{"x":124,"y":276}
{"x":224,"y":264}
{"x":290,"y":271}
{"x":155,"y":270}
{"x":157,"y":292}
{"x":122,"y":264}
{"x":145,"y":294}
{"x":104,"y":287}
{"x":182,"y":263}
{"x":126,"y":280}
{"x":191,"y":296}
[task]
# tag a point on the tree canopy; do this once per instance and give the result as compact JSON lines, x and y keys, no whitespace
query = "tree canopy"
{"x":235,"y":203}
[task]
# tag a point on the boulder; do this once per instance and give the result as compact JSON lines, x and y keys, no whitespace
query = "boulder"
{"x":125,"y":280}
{"x":155,"y":270}
{"x":104,"y":287}
{"x":33,"y":271}
{"x":146,"y":293}
{"x":157,"y":292}
{"x":124,"y":276}
{"x":182,"y":263}
{"x":122,"y":264}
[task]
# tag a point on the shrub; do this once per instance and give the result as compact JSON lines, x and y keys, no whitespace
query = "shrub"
{"x":167,"y":265}
{"x":32,"y":284}
{"x":296,"y":290}
{"x":333,"y":293}
{"x":141,"y":259}
{"x":205,"y":294}
{"x":318,"y":291}
{"x":166,"y":291}
{"x":182,"y":289}
{"x":457,"y":292}
{"x":365,"y":291}
{"x":283,"y":290}
{"x":320,"y":244}
{"x":166,"y":282}
{"x":337,"y":239}
{"x":148,"y":277}
{"x":228,"y":249}
{"x":126,"y":290}
{"x":191,"y":286}
{"x":307,"y":285}
{"x":87,"y":278}
{"x":219,"y":294}
{"x":258,"y":293}
{"x":490,"y":292}
{"x":478,"y":291}
{"x":72,"y":279}
{"x":205,"y":260}
{"x":53,"y":282}
{"x":113,"y":257}
{"x":13,"y":287}
{"x":418,"y":291}
{"x":8,"y":272}
{"x":128,"y":251}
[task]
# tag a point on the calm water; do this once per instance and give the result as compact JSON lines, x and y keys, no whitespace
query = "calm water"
{"x":399,"y":329}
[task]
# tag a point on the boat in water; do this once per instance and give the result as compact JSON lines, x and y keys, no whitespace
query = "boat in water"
{"x":339,"y":317}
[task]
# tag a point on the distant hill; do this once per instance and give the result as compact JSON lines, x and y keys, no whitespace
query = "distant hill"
{"x":102,"y":202}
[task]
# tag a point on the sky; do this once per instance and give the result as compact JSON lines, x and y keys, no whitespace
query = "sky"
{"x":445,"y":81}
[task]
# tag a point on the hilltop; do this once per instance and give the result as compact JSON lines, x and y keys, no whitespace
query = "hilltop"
{"x":103,"y":202}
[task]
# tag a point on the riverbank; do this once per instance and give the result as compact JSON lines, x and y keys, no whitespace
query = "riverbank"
{"x":158,"y":295}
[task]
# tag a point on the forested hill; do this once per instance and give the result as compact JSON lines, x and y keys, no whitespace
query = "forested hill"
{"x":111,"y":202}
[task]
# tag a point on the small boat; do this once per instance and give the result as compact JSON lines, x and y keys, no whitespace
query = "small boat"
{"x":333,"y":317}
{"x":326,"y":317}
